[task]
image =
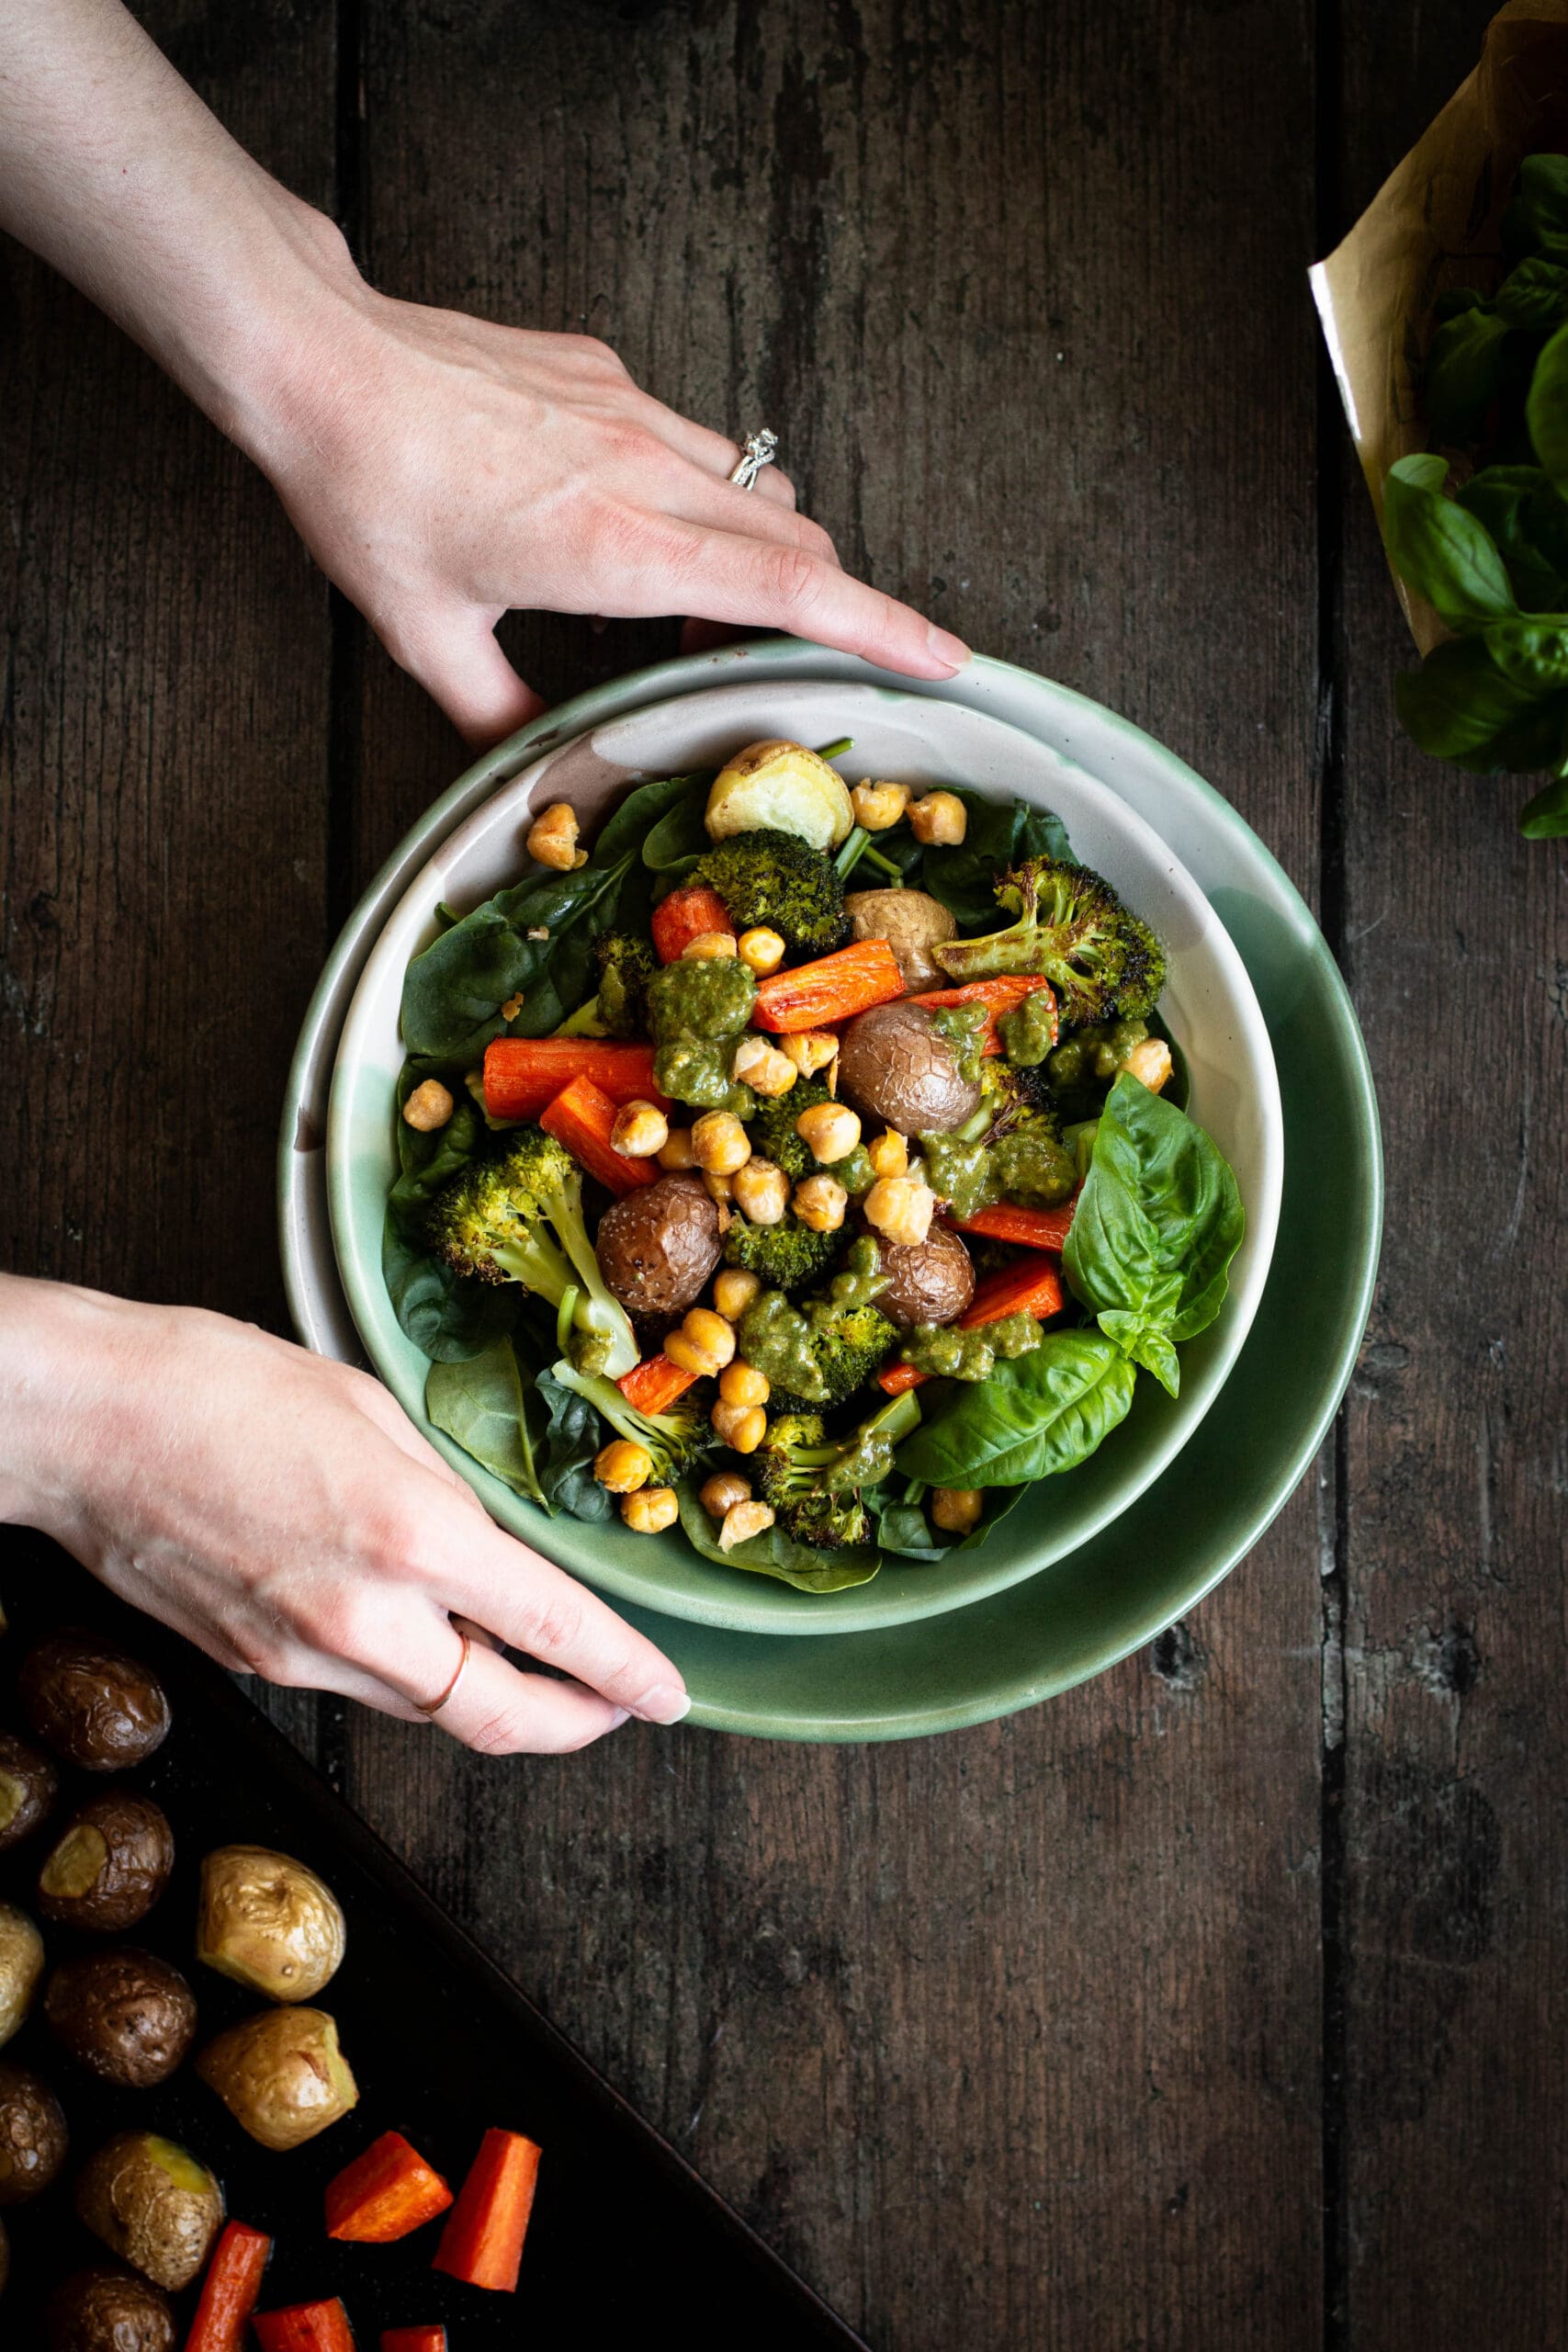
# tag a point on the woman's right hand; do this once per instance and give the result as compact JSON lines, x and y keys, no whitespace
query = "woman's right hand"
{"x":284,"y":1514}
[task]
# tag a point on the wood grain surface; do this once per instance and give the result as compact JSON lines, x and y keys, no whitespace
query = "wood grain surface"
{"x":1219,"y":2004}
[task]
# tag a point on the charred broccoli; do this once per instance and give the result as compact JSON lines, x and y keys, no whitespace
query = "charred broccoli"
{"x":673,"y":1439}
{"x":778,"y":879}
{"x":518,"y":1218}
{"x":821,"y":1352}
{"x":1070,"y":925}
{"x":788,"y":1256}
{"x":772,"y":1129}
{"x":619,"y":1009}
{"x":815,"y":1483}
{"x":1085,"y":1065}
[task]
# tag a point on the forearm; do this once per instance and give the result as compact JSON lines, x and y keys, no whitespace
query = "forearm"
{"x":113,"y":170}
{"x":47,"y":1396}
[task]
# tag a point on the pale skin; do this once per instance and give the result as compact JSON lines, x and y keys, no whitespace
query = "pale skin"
{"x":281,"y":1511}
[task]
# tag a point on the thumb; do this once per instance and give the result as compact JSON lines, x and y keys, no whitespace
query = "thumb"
{"x":457,"y":661}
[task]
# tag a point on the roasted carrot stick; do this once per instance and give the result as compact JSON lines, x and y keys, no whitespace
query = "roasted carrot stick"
{"x":305,"y":2327}
{"x":653,"y":1385}
{"x":999,"y":996}
{"x":683,"y":916}
{"x":1034,"y":1228}
{"x":522,"y":1074}
{"x":230,"y":2290}
{"x":413,"y":2339}
{"x":582,"y":1117}
{"x":384,"y":2194}
{"x":482,"y":2241}
{"x":1028,"y":1288}
{"x":832,"y":989}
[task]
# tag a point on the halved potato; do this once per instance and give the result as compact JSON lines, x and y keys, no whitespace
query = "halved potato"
{"x":784,"y":785}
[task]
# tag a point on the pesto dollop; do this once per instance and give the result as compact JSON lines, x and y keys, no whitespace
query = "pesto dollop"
{"x":963,"y":1027}
{"x":947,"y":1353}
{"x":1028,"y":1030}
{"x":959,"y":1173}
{"x":696,"y":1009}
{"x":1084,"y":1065}
{"x":775,"y":1339}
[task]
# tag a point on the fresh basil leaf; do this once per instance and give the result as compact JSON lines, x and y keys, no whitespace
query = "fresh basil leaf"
{"x":1037,"y":1416}
{"x":1457,"y":702}
{"x":1534,"y":296}
{"x":1529,"y":654}
{"x":1536,"y":220}
{"x":1157,"y":1225}
{"x":1471,"y":362}
{"x":775,"y":1554}
{"x":483,"y":1404}
{"x":1545,"y":818}
{"x":1529,"y":526}
{"x":448,"y":1317}
{"x":1441,"y":549}
{"x":564,"y":1453}
{"x":1546,"y":410}
{"x":1455,"y":299}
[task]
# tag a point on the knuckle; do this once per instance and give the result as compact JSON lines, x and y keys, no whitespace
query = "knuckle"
{"x":796,"y":579}
{"x":555,"y":1623}
{"x":496,"y":1733}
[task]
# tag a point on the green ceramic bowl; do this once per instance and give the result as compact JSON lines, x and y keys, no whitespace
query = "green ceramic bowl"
{"x":1208,"y":1000}
{"x":1204,"y":1513}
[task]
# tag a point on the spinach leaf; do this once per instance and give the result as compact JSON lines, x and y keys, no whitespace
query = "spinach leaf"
{"x":1545,"y":817}
{"x":1534,"y":296}
{"x":1536,"y":220}
{"x":448,"y":1317}
{"x":1036,"y":1416}
{"x":1457,"y":702}
{"x":1473,"y":361}
{"x":623,"y":833}
{"x":426,"y":1161}
{"x":570,"y":1439}
{"x":454,"y":991}
{"x":773,"y":1554}
{"x":902,"y":1526}
{"x":484,"y":1404}
{"x":1440,"y":548}
{"x":675,"y":836}
{"x":1546,"y":410}
{"x":1529,"y":526}
{"x":998,"y":834}
{"x":1155,"y":1227}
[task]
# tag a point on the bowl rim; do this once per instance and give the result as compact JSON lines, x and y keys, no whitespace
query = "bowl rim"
{"x":759,"y":1605}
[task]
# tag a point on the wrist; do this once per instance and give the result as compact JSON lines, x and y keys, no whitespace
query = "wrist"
{"x":53,"y":1345}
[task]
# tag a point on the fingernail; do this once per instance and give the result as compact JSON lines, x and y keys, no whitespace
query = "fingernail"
{"x":947,"y":648}
{"x":665,"y":1703}
{"x":620,"y":1716}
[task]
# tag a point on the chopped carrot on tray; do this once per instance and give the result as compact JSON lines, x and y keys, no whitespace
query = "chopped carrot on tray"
{"x":305,"y":2327}
{"x":384,"y":2194}
{"x":230,"y":2291}
{"x":483,"y":2241}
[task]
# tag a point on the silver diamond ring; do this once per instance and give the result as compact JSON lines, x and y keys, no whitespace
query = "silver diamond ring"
{"x":758,"y":449}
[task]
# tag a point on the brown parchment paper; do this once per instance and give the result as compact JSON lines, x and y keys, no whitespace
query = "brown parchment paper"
{"x":1434,"y":224}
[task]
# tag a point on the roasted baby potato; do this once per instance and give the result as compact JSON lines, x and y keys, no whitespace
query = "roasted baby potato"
{"x":33,"y":2137}
{"x":124,"y":2015}
{"x":21,"y":1966}
{"x":91,"y":1704}
{"x":28,"y":1786}
{"x":783,"y":785}
{"x":658,"y":1245}
{"x":895,"y":1067}
{"x":268,"y":1922}
{"x":929,"y":1282}
{"x":154,"y":2204}
{"x":109,"y":1865}
{"x":281,"y":2074}
{"x":911,"y":921}
{"x":108,"y":2311}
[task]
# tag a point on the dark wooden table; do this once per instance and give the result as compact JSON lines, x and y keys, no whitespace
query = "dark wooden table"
{"x":1221,"y":2004}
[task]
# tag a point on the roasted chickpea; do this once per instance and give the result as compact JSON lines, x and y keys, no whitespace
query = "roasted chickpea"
{"x":761,"y":1191}
{"x":719,"y":1143}
{"x":1150,"y":1060}
{"x":810,"y":1049}
{"x":675,"y":1153}
{"x":889,"y":1153}
{"x":743,"y":1519}
{"x":901,"y":1208}
{"x":941,"y":817}
{"x":877,"y":806}
{"x":742,"y":1383}
{"x":704,"y":1344}
{"x":723,"y":1491}
{"x":552,"y":839}
{"x":819,"y":1202}
{"x":640,"y":1132}
{"x":829,"y":1130}
{"x":956,"y":1510}
{"x":428,"y":1107}
{"x":650,"y":1510}
{"x":733,"y":1291}
{"x":763,"y":949}
{"x":722,"y":1190}
{"x":708,"y":946}
{"x":741,"y":1426}
{"x":761,"y":1067}
{"x":623,"y":1466}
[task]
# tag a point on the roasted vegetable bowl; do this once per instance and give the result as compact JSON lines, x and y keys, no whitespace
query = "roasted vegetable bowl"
{"x":799,"y":1194}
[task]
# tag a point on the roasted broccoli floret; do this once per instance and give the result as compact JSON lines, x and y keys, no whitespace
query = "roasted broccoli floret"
{"x":780,"y":880}
{"x":518,"y":1218}
{"x":673,"y":1439}
{"x":788,"y":1256}
{"x":815,"y":1483}
{"x":772,"y":1129}
{"x":626,"y":964}
{"x":821,"y":1352}
{"x":1070,"y":925}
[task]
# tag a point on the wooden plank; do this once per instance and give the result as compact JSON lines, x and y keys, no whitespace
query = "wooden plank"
{"x":1011,"y":2038}
{"x":162,"y":792}
{"x":1455,"y":2035}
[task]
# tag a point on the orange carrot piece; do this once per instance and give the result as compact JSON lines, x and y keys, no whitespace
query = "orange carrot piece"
{"x":683,"y":916}
{"x":998,"y":996}
{"x":305,"y":2327}
{"x":483,"y":2241}
{"x":230,"y":2290}
{"x":581,"y":1117}
{"x":522,"y":1074}
{"x":1027,"y":1288}
{"x":653,"y":1385}
{"x":834,"y":988}
{"x":413,"y":2339}
{"x":384,"y":2194}
{"x":1034,"y":1228}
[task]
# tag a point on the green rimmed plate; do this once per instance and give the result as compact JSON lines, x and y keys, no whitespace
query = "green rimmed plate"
{"x":1206,"y":1510}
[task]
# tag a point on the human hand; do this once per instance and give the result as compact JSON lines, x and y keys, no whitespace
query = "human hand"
{"x":283,"y":1514}
{"x":442,"y":470}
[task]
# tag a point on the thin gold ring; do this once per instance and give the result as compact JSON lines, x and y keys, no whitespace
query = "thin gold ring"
{"x":436,"y":1704}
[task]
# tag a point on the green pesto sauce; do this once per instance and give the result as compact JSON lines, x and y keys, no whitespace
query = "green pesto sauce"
{"x":695,"y":1009}
{"x":960,"y":1174}
{"x":1030,"y":1166}
{"x":861,"y":1281}
{"x":944,"y":1350}
{"x":962,"y":1026}
{"x":1093,"y":1055}
{"x":776,"y":1339}
{"x":1028,"y":1030}
{"x":854,"y":1172}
